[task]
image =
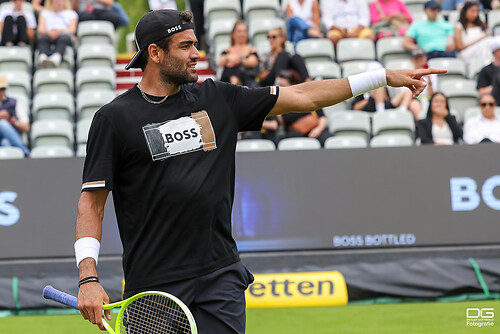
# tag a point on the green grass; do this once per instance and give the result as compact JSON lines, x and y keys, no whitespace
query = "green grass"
{"x":410,"y":318}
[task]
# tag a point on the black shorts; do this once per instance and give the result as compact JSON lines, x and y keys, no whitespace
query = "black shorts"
{"x":216,"y":300}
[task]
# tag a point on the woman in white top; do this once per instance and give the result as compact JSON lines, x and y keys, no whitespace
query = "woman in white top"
{"x":303,"y":20}
{"x":439,"y":127}
{"x":56,"y":27}
{"x":471,"y":38}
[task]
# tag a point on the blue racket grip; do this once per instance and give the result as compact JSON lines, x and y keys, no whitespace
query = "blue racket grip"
{"x":62,"y":297}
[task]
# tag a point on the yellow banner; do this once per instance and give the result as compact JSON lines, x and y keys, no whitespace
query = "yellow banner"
{"x":324,"y":288}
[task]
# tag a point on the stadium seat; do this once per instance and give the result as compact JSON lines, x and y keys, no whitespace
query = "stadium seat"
{"x":220,"y":32}
{"x":260,"y":9}
{"x":350,"y":123}
{"x":323,"y":70}
{"x":415,"y":7}
{"x":89,"y":101}
{"x":394,"y":122}
{"x":82,"y":132}
{"x":259,"y":27}
{"x":354,"y":67}
{"x":455,"y":66}
{"x":316,"y":50}
{"x":53,"y":106}
{"x":389,"y":48}
{"x":346,"y":141}
{"x":96,"y":78}
{"x":53,"y":80}
{"x":8,"y":152}
{"x":68,"y":61}
{"x":399,"y":64}
{"x":299,"y":143}
{"x":336,"y":108}
{"x":475,"y":111}
{"x":96,"y":55}
{"x":391,"y":140}
{"x":19,"y":82}
{"x":221,"y":9}
{"x":493,"y":19}
{"x":81,"y":150}
{"x":355,"y":49}
{"x":475,"y":67}
{"x":52,"y":133}
{"x":51,"y":152}
{"x":96,"y":32}
{"x":461,"y":94}
{"x":16,"y":58}
{"x":255,"y":145}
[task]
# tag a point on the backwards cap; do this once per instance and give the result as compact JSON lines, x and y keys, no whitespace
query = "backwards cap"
{"x":154,"y":26}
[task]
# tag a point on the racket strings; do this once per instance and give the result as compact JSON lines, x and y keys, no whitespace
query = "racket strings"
{"x":155,"y":314}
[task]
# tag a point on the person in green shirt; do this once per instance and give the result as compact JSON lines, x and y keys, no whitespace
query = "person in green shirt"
{"x":432,"y":35}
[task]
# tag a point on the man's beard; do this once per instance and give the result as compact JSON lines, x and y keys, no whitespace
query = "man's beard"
{"x":170,"y":73}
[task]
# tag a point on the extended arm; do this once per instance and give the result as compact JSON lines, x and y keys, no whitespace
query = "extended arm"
{"x":91,"y":296}
{"x":314,"y":95}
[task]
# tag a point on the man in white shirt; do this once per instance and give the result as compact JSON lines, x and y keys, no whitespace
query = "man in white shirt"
{"x":346,"y":19}
{"x":484,"y":128}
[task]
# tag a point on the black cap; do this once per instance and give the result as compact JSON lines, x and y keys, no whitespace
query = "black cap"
{"x":432,"y":4}
{"x":154,"y":26}
{"x":417,"y":53}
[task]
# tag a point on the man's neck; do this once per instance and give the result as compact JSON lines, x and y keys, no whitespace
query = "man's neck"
{"x":496,"y":62}
{"x":154,"y":86}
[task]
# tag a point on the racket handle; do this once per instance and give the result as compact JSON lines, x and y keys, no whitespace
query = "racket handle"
{"x":50,"y":293}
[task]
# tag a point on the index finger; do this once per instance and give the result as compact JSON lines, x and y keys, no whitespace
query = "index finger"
{"x":428,"y":71}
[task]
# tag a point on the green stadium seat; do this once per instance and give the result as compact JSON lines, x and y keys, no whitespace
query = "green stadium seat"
{"x":255,"y":145}
{"x":299,"y":143}
{"x":346,"y":141}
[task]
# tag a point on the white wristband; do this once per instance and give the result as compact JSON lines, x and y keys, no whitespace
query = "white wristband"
{"x":86,"y":247}
{"x":367,"y":81}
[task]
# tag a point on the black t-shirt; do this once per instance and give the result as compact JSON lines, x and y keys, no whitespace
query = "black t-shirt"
{"x":485,"y":77}
{"x":173,"y":192}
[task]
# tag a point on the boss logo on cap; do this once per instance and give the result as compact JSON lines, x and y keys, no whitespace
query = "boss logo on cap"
{"x":174,"y":29}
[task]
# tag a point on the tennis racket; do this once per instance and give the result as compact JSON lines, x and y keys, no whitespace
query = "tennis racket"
{"x":150,"y":312}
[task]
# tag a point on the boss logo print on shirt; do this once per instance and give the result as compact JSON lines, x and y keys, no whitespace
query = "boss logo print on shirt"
{"x":180,"y":136}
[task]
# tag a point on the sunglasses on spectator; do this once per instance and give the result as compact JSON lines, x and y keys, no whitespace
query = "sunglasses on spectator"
{"x":272,"y":36}
{"x":484,"y":104}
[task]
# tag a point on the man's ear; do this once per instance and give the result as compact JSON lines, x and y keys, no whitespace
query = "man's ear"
{"x":154,"y":52}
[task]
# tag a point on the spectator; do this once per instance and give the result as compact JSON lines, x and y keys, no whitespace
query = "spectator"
{"x":378,"y":100}
{"x":97,"y":10}
{"x":312,"y":125}
{"x":346,"y":19}
{"x":488,"y":80}
{"x":278,"y":59}
{"x":17,"y":26}
{"x":389,"y":18}
{"x":490,"y":4}
{"x":56,"y":28}
{"x":433,"y":35}
{"x":11,"y":123}
{"x":471,"y":38}
{"x":240,"y":61}
{"x":439,"y":127}
{"x":303,"y":20}
{"x":418,"y":58}
{"x":162,"y":4}
{"x":484,"y":128}
{"x":122,"y":14}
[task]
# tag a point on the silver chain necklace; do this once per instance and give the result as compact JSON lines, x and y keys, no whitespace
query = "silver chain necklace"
{"x":147,"y":98}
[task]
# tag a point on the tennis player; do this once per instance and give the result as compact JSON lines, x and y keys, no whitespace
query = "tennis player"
{"x":166,"y":150}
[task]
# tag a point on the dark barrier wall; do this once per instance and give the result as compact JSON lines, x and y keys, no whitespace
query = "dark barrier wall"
{"x":378,"y":197}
